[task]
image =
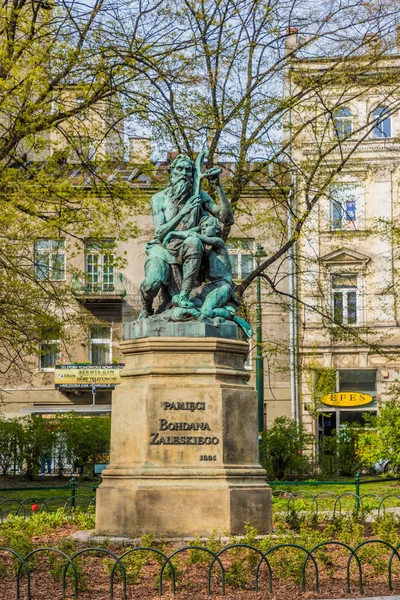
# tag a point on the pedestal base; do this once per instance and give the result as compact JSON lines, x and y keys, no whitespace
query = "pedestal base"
{"x":181,"y":511}
{"x":184,"y":443}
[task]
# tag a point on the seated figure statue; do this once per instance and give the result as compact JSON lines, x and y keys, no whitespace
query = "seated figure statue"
{"x":172,"y":264}
{"x":217,"y":297}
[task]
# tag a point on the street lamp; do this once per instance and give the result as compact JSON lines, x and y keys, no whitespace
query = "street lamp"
{"x":259,"y":353}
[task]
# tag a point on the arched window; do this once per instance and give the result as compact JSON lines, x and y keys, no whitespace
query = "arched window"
{"x":343,"y":122}
{"x":382,"y":120}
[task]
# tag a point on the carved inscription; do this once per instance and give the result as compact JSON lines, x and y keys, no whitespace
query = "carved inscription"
{"x":192,"y":406}
{"x":188,"y":440}
{"x":165,"y":425}
{"x":159,"y":438}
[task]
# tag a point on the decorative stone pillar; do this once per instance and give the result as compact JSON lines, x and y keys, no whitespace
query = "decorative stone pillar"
{"x":184,"y":442}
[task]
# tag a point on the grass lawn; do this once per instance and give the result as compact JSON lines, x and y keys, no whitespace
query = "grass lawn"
{"x":43,"y":489}
{"x":381,"y":486}
{"x":323,"y":496}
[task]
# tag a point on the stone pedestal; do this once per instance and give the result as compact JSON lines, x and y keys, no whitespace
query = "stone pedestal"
{"x":184,"y":450}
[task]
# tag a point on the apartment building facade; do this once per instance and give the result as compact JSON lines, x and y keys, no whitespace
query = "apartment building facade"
{"x":347,"y":256}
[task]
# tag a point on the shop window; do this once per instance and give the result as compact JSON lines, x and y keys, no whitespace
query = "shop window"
{"x":343,"y":123}
{"x":241,"y":254}
{"x":331,"y":422}
{"x":344,"y":200}
{"x":50,"y":350}
{"x":50,"y":259}
{"x":99,"y":266}
{"x":383,"y":128}
{"x":336,"y":418}
{"x":344,"y":299}
{"x":100,"y":347}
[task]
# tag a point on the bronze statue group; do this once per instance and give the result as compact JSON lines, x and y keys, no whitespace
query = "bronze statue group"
{"x":187,"y":262}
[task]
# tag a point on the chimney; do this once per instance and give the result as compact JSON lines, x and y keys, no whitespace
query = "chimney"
{"x":372,"y":42}
{"x":139,"y":150}
{"x":291,"y":41}
{"x":172,"y":155}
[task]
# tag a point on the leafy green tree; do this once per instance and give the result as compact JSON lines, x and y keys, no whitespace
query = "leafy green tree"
{"x":286,"y":449}
{"x":381,"y":439}
{"x":11,"y":444}
{"x":87,"y":439}
{"x":62,"y":85}
{"x":39,"y":437}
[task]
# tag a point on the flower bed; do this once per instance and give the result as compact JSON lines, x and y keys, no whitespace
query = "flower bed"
{"x":288,"y":554}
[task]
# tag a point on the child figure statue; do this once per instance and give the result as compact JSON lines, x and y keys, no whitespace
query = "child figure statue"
{"x":217,"y":298}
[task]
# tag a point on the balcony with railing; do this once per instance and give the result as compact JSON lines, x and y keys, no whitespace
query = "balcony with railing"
{"x":93,"y":287}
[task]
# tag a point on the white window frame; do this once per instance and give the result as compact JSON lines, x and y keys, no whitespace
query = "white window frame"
{"x":100,"y":286}
{"x":344,"y":291}
{"x":52,"y":253}
{"x":342,"y":120}
{"x":377,"y":125}
{"x":239,"y":251}
{"x":102,"y":341}
{"x":50,"y":342}
{"x":355,"y":193}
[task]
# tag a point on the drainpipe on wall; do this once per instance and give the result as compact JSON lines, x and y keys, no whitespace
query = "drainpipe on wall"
{"x":291,"y":44}
{"x":293,"y":333}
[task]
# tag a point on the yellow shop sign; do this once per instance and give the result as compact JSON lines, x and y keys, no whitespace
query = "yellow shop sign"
{"x":347,"y":399}
{"x":84,"y":376}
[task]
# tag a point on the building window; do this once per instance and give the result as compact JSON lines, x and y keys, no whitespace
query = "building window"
{"x":241,"y":254}
{"x":100,"y":349}
{"x":50,"y":350}
{"x":344,"y":206}
{"x":343,"y":123}
{"x":344,"y":299}
{"x":50,"y":259}
{"x":356,"y":380}
{"x":382,"y":120}
{"x":99,"y":266}
{"x":337,"y":419}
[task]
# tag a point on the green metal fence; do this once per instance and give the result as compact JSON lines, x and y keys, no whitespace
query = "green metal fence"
{"x":214,"y":567}
{"x":33,"y":504}
{"x":71,"y":486}
{"x":357,"y":483}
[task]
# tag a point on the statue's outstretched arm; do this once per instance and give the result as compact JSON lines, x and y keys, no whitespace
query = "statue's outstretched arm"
{"x":215,"y":242}
{"x":223,"y":210}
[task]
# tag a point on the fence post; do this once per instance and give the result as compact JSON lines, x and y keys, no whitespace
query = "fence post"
{"x":73,"y":492}
{"x":357,"y":484}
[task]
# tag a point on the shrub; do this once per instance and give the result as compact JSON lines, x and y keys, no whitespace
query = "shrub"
{"x":382,"y":439}
{"x":286,"y":449}
{"x":339,"y":452}
{"x":80,"y":440}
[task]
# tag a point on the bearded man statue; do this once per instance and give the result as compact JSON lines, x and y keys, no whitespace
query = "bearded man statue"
{"x":174,"y":268}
